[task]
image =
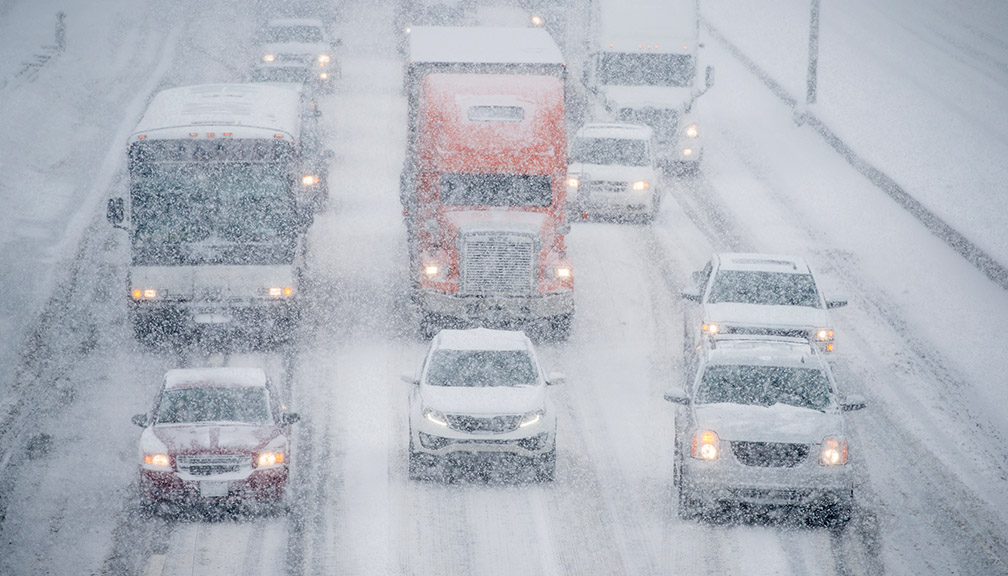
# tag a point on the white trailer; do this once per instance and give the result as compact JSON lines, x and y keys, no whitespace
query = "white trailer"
{"x":642,"y":68}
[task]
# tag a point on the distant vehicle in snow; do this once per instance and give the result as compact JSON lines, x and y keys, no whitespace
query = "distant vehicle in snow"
{"x":482,"y":187}
{"x":761,"y":423}
{"x":480,"y":399}
{"x":297,"y":50}
{"x":612,"y":171}
{"x":215,"y":435}
{"x":223,"y":179}
{"x":642,"y":68}
{"x":760,"y":294}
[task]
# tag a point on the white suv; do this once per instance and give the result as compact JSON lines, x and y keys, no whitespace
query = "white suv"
{"x":480,"y":401}
{"x":297,"y":50}
{"x":612,"y":171}
{"x":761,"y":294}
{"x":761,"y":423}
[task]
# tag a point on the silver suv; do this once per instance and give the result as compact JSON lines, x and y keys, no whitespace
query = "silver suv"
{"x":762,"y":423}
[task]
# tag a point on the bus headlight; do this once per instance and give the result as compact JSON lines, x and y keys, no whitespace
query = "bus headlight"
{"x":640,"y":185}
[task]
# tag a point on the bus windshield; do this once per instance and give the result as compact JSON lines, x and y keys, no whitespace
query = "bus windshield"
{"x":212,"y":213}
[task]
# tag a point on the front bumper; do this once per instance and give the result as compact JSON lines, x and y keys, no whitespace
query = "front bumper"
{"x":495,"y":308}
{"x":728,"y":481}
{"x":263,"y":485}
{"x":177,"y":317}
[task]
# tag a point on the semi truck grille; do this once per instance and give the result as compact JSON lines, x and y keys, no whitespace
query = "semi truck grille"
{"x":770,"y":454}
{"x":498,"y":264}
{"x":491,"y":425}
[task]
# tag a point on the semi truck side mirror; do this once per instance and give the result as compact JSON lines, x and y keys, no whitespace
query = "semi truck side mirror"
{"x":116,"y":211}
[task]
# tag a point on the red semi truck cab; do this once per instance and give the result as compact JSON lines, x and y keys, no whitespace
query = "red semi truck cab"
{"x":487,"y":218}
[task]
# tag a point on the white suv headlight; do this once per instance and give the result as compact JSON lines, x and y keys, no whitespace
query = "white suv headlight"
{"x":434,"y":416}
{"x":531,"y":418}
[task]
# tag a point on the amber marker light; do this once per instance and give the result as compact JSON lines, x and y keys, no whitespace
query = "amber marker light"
{"x":706,"y":445}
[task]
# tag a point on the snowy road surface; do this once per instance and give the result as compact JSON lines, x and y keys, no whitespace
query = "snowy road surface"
{"x":921,"y":339}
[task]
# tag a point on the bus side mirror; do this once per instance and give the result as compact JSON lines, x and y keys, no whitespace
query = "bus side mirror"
{"x":116,"y":211}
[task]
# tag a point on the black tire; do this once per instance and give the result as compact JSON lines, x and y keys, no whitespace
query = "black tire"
{"x":546,"y":466}
{"x":834,"y":516}
{"x":560,"y":327}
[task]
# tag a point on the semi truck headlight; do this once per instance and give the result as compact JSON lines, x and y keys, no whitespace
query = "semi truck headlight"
{"x":573,"y":182}
{"x":268,"y":57}
{"x":431,"y":270}
{"x":323,"y":76}
{"x":281,"y":291}
{"x":563,"y":272}
{"x":833,"y":452}
{"x":145,"y":294}
{"x":310,"y":179}
{"x":640,"y":185}
{"x":706,"y":445}
{"x":692,"y":131}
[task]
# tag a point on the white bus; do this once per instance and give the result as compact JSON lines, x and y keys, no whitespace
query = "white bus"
{"x":217,"y":209}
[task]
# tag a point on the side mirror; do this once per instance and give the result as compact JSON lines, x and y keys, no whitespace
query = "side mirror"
{"x":836,"y":303}
{"x":139,"y":420}
{"x":410,"y":378}
{"x":691,"y":294}
{"x":116,"y":211}
{"x":709,"y":78}
{"x":853,"y":402}
{"x":677,"y":396}
{"x":555,"y":378}
{"x":289,"y":418}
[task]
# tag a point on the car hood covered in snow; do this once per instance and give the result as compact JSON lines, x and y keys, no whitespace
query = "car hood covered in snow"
{"x":777,"y":423}
{"x":738,"y":314}
{"x":210,"y":437}
{"x":613,"y":173}
{"x":484,"y":400}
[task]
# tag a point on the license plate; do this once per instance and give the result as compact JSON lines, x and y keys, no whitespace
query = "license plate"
{"x":211,"y":318}
{"x":213,"y":489}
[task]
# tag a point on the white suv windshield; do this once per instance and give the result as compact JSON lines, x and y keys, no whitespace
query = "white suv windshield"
{"x":481,"y":368}
{"x":610,"y":152}
{"x":764,"y":386}
{"x":768,"y":288}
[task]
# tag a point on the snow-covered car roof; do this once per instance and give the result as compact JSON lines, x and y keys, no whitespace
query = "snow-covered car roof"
{"x":278,"y":22}
{"x":763,"y":350}
{"x":256,"y":110}
{"x":226,"y":376}
{"x":482,"y":339}
{"x":615,"y":130}
{"x":483,"y":44}
{"x":752,"y":261}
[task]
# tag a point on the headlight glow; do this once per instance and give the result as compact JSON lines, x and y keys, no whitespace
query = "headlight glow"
{"x":564,"y":272}
{"x":640,"y":185}
{"x":692,"y":131}
{"x":687,"y":152}
{"x":710,"y":328}
{"x":309,"y":179}
{"x":268,"y":57}
{"x":323,"y":59}
{"x":157,"y":461}
{"x":431,"y":270}
{"x":537,"y":20}
{"x":280,"y":291}
{"x":268,"y":459}
{"x":573,"y":182}
{"x":531,"y":418}
{"x":706,"y":445}
{"x":144,"y":293}
{"x":323,"y":76}
{"x":833,"y":452}
{"x":435,"y":417}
